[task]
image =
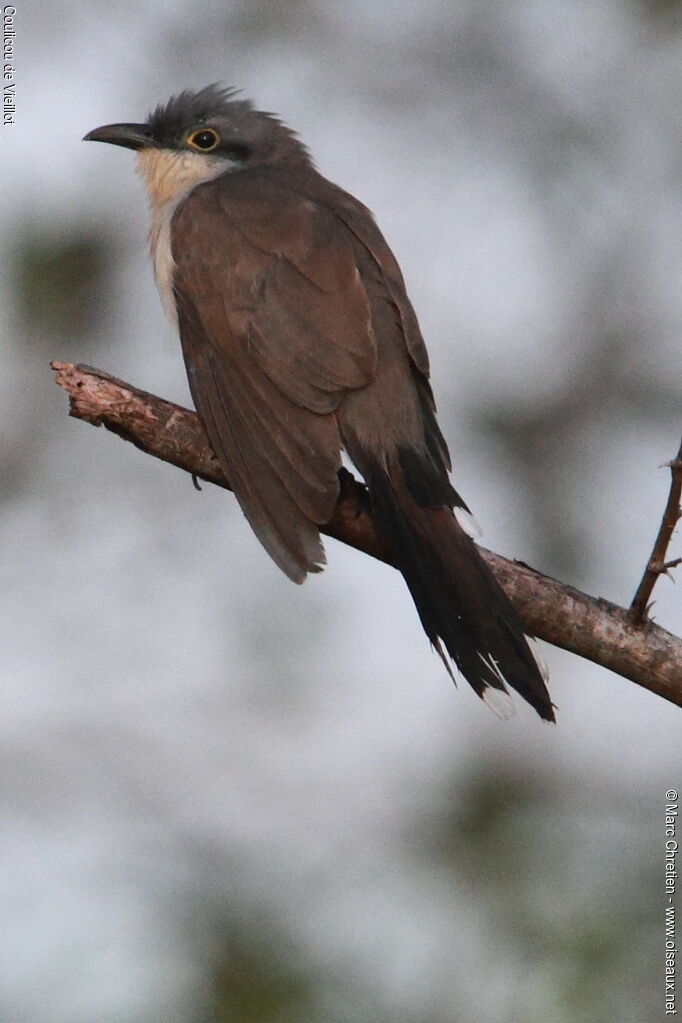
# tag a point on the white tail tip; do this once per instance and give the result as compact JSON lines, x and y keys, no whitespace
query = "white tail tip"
{"x":537,"y":653}
{"x":494,"y":668}
{"x":500,"y":703}
{"x":468,"y":523}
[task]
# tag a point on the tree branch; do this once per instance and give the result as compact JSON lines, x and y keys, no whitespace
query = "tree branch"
{"x":589,"y":626}
{"x":657,"y":565}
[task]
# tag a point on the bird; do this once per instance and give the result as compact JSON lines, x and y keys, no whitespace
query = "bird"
{"x":301,"y":344}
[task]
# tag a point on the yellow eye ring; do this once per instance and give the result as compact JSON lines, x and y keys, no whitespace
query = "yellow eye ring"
{"x":204,"y":139}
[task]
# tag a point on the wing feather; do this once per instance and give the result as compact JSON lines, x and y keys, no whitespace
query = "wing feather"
{"x":285,"y":532}
{"x":360,"y":222}
{"x":275,"y":328}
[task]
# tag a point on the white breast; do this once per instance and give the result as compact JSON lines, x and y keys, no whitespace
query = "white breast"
{"x":169,"y":177}
{"x":162,"y":255}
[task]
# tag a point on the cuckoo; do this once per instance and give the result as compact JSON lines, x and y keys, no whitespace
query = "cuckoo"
{"x":300,"y":343}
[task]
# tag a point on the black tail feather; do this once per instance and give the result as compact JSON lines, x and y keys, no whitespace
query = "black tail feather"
{"x":463,"y":609}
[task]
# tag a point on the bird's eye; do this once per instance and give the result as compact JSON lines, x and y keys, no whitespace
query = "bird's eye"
{"x":205,"y":139}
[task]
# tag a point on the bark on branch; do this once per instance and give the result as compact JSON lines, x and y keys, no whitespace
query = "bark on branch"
{"x":588,"y":626}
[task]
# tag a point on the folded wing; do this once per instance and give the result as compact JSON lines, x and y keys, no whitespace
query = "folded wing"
{"x":275,"y":327}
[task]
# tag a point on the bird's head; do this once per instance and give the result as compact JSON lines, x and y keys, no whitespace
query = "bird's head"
{"x":197,"y":136}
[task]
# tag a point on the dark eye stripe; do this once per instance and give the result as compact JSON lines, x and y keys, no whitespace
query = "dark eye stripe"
{"x":237,"y":151}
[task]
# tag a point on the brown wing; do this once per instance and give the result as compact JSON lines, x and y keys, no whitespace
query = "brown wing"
{"x":360,"y":221}
{"x":275,"y":328}
{"x":390,"y":285}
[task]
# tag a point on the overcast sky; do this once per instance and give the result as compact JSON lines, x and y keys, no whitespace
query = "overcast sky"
{"x":181,"y":726}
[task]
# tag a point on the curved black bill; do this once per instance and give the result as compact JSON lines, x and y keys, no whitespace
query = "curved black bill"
{"x":131,"y":136}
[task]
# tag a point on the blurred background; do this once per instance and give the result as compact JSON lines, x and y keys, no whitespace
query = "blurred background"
{"x":228,"y":798}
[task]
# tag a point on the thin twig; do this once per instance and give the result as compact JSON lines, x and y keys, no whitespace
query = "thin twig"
{"x":657,"y":564}
{"x":585,"y":625}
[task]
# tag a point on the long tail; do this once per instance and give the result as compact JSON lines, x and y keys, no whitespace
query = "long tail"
{"x":463,"y":609}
